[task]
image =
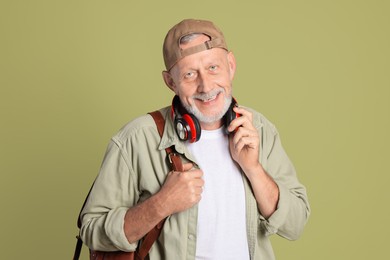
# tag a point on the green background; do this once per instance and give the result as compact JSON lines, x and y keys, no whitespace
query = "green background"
{"x":73,"y":72}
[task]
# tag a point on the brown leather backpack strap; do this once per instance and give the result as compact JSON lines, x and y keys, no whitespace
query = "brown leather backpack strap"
{"x":159,"y":120}
{"x":174,"y":158}
{"x":176,"y":165}
{"x":148,"y":241}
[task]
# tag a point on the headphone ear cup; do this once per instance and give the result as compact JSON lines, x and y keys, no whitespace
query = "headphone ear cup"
{"x":182,"y":129}
{"x":188,"y":128}
{"x":230,"y":115}
{"x":194,"y":125}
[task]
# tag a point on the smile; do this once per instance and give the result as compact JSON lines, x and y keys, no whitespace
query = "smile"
{"x":205,"y":98}
{"x":209,"y":99}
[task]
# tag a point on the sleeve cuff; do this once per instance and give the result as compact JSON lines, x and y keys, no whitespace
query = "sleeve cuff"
{"x":114,"y":227}
{"x":276,"y":220}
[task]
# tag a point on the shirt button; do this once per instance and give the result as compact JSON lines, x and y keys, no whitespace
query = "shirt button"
{"x":191,"y":237}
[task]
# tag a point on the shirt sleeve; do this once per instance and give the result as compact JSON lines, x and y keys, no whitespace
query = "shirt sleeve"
{"x":293,"y":207}
{"x":114,"y":191}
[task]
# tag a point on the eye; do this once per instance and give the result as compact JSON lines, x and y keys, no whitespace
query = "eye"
{"x":189,"y":75}
{"x":213,"y":67}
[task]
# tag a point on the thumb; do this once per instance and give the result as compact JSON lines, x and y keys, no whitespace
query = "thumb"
{"x":187,"y":166}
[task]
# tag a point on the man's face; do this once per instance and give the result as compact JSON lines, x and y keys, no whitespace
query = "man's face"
{"x":203,"y":81}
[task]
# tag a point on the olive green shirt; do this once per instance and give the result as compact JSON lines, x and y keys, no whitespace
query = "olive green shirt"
{"x":135,"y":167}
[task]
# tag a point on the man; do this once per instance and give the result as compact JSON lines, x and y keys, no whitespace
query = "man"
{"x":236,"y":189}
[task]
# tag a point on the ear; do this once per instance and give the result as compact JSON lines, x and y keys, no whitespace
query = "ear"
{"x":232,"y":64}
{"x":169,"y":80}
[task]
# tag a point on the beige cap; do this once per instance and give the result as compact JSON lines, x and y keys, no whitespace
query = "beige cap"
{"x":171,"y":48}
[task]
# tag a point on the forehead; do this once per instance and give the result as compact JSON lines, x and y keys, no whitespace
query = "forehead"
{"x":215,"y":56}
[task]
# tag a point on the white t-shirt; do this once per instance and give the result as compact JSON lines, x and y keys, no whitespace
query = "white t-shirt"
{"x":221,"y":230}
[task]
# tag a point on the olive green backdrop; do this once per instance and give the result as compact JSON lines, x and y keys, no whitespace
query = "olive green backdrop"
{"x":73,"y":72}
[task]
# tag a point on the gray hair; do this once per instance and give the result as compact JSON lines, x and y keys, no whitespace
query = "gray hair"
{"x":189,"y":37}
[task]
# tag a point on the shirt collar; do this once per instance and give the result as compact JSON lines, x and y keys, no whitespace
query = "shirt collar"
{"x":169,"y":137}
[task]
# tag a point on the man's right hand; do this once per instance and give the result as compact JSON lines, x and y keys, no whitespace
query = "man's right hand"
{"x":182,"y":190}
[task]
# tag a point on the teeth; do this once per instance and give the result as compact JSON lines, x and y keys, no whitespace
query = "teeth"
{"x":209,"y":99}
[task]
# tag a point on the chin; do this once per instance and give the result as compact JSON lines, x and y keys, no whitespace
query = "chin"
{"x":213,"y":116}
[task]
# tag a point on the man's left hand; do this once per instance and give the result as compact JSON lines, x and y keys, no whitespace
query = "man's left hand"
{"x":244,"y":140}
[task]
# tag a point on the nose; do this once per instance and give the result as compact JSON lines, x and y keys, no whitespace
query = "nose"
{"x":204,"y":83}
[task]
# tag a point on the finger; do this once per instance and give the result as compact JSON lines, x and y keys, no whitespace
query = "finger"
{"x":197,"y":173}
{"x":187,"y":166}
{"x":242,"y":111}
{"x":244,"y":132}
{"x":248,"y":142}
{"x":245,"y":120}
{"x":198,"y":191}
{"x":198,"y":182}
{"x":241,"y":140}
{"x":192,"y":173}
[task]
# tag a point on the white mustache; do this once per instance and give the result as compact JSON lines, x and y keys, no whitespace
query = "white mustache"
{"x":208,"y":96}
